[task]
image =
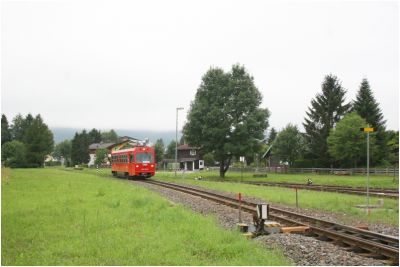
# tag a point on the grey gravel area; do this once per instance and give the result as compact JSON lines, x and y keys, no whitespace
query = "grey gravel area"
{"x":302,"y":250}
{"x":308,"y":251}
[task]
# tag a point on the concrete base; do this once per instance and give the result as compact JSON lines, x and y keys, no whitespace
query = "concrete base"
{"x":295,"y":229}
{"x":243,"y":227}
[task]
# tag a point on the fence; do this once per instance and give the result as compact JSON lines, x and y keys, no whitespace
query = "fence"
{"x":394,"y":171}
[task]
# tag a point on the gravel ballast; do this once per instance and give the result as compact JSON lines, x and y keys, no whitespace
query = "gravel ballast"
{"x":302,"y":250}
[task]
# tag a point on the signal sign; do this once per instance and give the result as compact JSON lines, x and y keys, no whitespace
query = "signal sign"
{"x":367,"y":130}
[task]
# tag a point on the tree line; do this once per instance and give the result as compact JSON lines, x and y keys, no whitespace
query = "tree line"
{"x":25,"y":142}
{"x":332,"y":136}
{"x":76,"y":151}
{"x":225,"y":119}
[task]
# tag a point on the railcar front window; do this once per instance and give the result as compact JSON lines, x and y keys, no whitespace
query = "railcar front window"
{"x":144,"y":158}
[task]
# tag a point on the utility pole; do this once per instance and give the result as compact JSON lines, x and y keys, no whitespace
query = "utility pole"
{"x":176,"y":140}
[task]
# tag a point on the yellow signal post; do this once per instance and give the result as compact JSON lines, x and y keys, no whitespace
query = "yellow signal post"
{"x":367,"y":130}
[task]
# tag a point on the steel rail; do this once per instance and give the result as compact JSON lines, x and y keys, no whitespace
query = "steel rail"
{"x":374,"y":243}
{"x":388,"y":193}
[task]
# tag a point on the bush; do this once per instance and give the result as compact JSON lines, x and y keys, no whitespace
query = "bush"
{"x":52,"y":163}
{"x":304,"y":163}
{"x":14,"y":154}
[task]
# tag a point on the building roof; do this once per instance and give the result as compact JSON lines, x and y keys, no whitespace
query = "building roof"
{"x":101,"y":145}
{"x":186,"y":146}
{"x":124,"y":138}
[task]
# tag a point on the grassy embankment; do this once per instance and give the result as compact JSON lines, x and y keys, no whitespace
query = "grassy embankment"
{"x":54,"y":217}
{"x":380,"y":181}
{"x":326,"y":201}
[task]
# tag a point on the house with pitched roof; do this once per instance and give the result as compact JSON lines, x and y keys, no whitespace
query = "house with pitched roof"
{"x":123,"y":143}
{"x":190,"y":158}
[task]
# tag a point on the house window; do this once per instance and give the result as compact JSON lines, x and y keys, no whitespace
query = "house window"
{"x":192,"y":152}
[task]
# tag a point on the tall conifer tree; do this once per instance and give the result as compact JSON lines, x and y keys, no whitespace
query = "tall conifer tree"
{"x":80,"y":148}
{"x":94,"y":136}
{"x":326,"y":110}
{"x":5,"y":130}
{"x":272,"y":135}
{"x":38,"y":140}
{"x":368,"y":108}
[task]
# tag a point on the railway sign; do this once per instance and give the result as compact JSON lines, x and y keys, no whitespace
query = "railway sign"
{"x":367,"y":130}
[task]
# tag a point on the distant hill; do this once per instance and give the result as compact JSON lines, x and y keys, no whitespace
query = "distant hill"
{"x":62,"y":133}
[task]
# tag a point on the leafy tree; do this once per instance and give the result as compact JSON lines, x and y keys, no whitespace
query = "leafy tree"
{"x":182,"y":140}
{"x":80,"y":148}
{"x":225,"y":117}
{"x":368,"y":108}
{"x":101,"y":155}
{"x":347,"y":143}
{"x":75,"y":147}
{"x":208,"y":159}
{"x":326,"y":110}
{"x":393,"y":147}
{"x":94,"y":136}
{"x":170,"y":154}
{"x":38,"y":140}
{"x":13,"y":154}
{"x":5,"y":130}
{"x":18,"y":128}
{"x":272,"y":135}
{"x":63,"y":149}
{"x":289,"y":144}
{"x":109,"y":137}
{"x":159,"y":150}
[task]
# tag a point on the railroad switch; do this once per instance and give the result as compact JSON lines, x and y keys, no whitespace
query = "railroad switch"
{"x":259,"y":220}
{"x":260,"y":224}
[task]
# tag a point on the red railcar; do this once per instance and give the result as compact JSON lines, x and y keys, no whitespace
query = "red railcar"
{"x":135,"y":162}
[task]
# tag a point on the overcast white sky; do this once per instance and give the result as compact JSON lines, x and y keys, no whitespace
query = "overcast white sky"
{"x":129,"y":64}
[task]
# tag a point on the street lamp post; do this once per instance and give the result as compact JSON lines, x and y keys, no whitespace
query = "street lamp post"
{"x":176,"y":140}
{"x":368,"y":171}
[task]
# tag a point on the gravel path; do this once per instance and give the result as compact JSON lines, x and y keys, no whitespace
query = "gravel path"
{"x":302,"y":250}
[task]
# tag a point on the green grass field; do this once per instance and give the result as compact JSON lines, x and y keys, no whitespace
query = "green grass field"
{"x":55,"y":217}
{"x":325,"y":201}
{"x":354,"y":181}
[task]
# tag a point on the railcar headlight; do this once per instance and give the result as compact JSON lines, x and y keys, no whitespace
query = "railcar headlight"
{"x":152,"y":165}
{"x":137,"y":166}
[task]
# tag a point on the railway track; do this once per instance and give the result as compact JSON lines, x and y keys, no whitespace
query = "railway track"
{"x":374,"y":192}
{"x":366,"y":243}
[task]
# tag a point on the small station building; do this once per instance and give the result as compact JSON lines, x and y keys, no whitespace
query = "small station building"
{"x":190,"y":158}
